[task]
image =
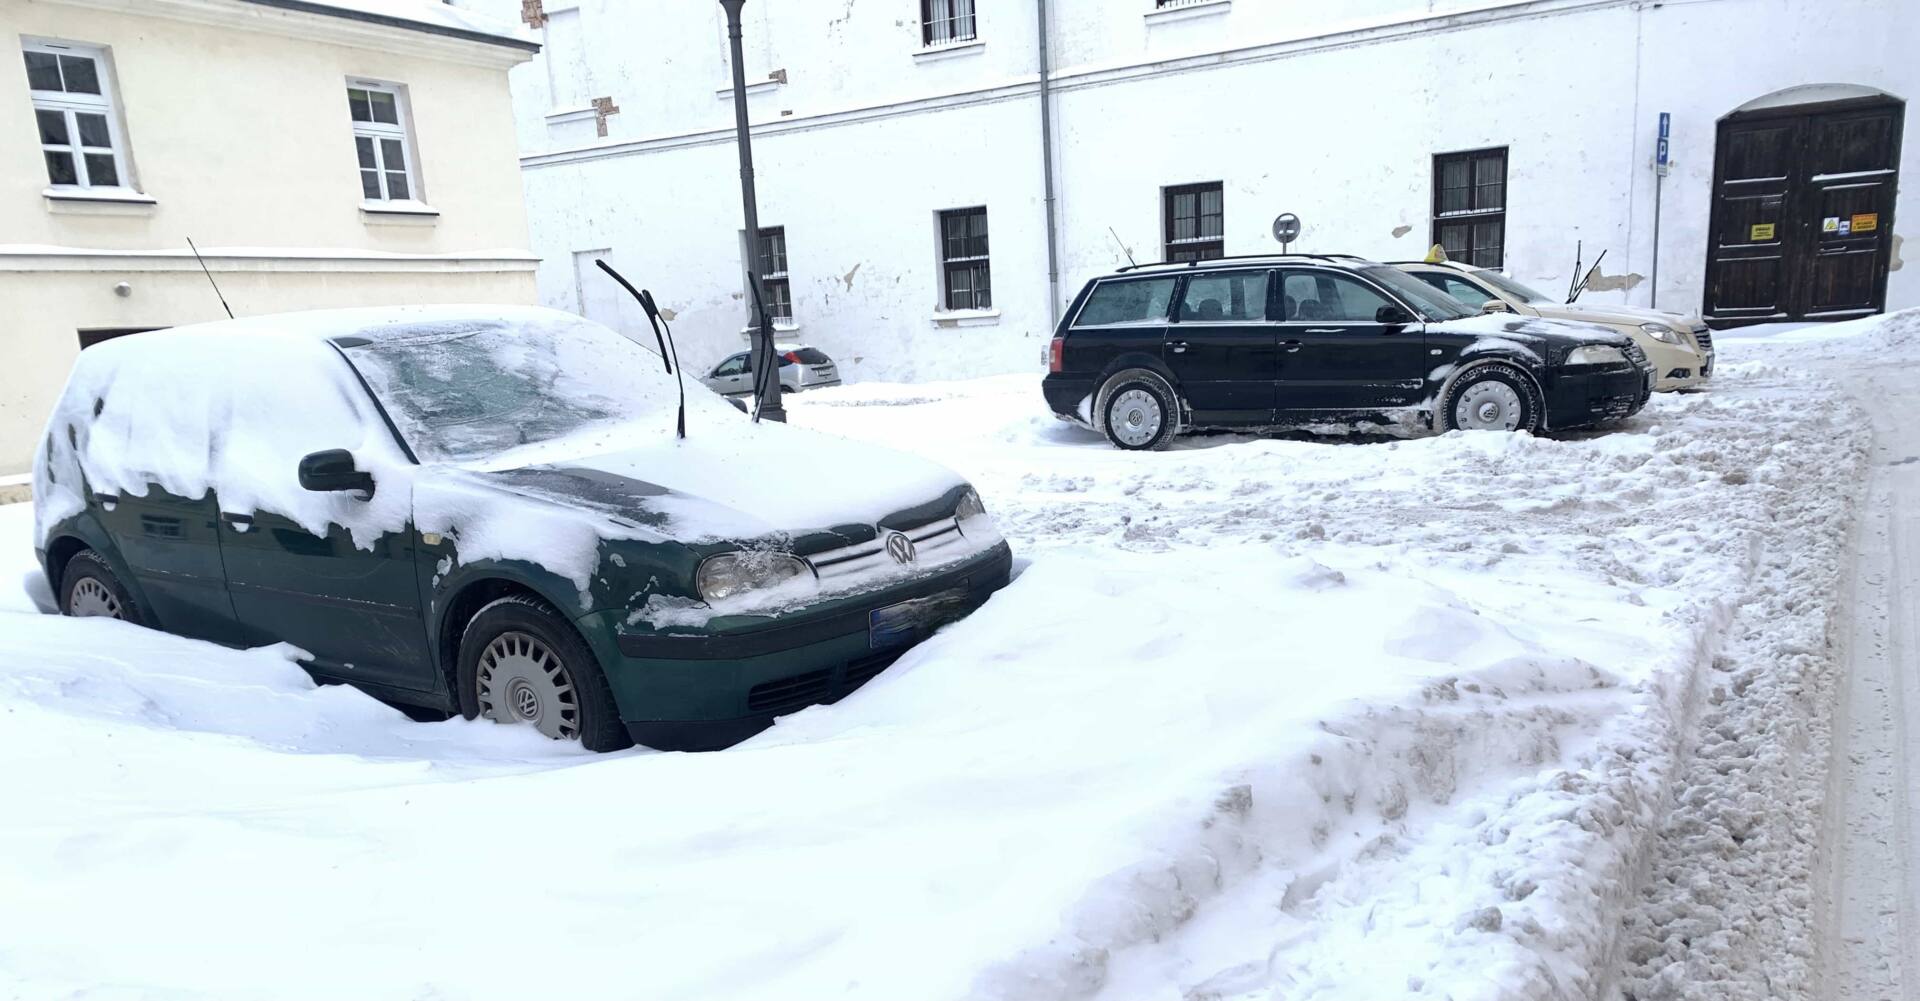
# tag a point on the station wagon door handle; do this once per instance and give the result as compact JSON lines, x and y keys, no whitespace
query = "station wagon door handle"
{"x":108,"y":501}
{"x":1177,"y":347}
{"x":240,"y":522}
{"x":1291,"y":345}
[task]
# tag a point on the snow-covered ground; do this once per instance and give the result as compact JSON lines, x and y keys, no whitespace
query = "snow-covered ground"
{"x":1257,"y":718}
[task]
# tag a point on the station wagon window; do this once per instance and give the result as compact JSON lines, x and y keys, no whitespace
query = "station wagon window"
{"x":1138,"y":300}
{"x":1235,"y":297}
{"x":966,"y":280}
{"x":73,"y":112}
{"x":1328,"y":297}
{"x":381,"y":144}
{"x":1470,"y":206}
{"x":1460,"y":288}
{"x":1195,"y":222}
{"x":732,"y":366}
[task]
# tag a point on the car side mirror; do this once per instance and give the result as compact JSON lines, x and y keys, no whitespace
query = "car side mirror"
{"x":1392,"y":315}
{"x":1495,"y":306}
{"x":334,"y":470}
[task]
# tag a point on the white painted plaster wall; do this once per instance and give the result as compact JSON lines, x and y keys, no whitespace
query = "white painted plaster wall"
{"x":1331,"y":115}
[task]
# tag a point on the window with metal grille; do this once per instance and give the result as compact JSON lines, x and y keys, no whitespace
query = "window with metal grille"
{"x":73,"y":112}
{"x":773,"y":273}
{"x":380,"y":142}
{"x":1470,"y":206}
{"x":943,"y":21}
{"x":1194,"y":222}
{"x":965,"y":278}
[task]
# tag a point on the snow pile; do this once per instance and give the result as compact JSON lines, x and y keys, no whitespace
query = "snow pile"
{"x":1257,"y":718}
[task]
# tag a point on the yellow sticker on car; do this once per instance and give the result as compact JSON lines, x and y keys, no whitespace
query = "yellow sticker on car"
{"x":1761,"y":231}
{"x":1866,"y":222}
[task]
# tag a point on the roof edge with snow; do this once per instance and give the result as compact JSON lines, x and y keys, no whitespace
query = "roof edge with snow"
{"x":391,"y":21}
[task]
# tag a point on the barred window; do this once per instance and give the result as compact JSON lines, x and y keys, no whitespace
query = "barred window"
{"x":965,"y":278}
{"x":1195,"y":222}
{"x":773,"y":273}
{"x":943,"y":21}
{"x":1470,"y":206}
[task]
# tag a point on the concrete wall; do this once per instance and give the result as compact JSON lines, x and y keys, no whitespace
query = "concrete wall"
{"x":1333,"y":112}
{"x":236,"y":124}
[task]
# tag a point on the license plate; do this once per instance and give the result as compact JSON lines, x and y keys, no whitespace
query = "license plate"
{"x":1651,"y":378}
{"x":908,"y":622}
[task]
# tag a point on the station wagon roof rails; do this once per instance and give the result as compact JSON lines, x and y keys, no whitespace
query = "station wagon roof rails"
{"x":1245,"y":257}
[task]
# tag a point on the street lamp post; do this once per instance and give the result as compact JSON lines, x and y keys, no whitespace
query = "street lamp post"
{"x":766,"y":365}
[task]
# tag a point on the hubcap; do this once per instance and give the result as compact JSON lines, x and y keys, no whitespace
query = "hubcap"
{"x":90,"y":598}
{"x":1135,"y":417}
{"x":1488,"y":405}
{"x":521,"y":680}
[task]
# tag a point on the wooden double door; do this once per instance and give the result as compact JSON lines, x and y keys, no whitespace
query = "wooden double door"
{"x":1802,"y":219}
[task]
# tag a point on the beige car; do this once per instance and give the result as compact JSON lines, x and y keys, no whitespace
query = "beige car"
{"x":1681,"y":350}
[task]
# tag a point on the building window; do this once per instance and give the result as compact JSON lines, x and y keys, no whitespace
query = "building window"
{"x":943,"y":21}
{"x":963,"y":259}
{"x":1470,"y":206}
{"x":380,"y":142}
{"x":73,"y":111}
{"x":773,"y":274}
{"x":1194,"y":221}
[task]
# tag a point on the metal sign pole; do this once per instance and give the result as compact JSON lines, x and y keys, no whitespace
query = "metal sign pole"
{"x":1661,"y":162}
{"x":1286,"y":229}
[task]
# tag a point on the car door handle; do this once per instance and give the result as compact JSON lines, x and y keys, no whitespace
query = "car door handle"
{"x":108,"y":501}
{"x":1291,"y":346}
{"x":1177,"y":347}
{"x":238,"y":522}
{"x":1325,"y":330}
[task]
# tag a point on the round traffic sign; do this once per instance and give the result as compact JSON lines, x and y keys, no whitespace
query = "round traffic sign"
{"x":1286,"y":228}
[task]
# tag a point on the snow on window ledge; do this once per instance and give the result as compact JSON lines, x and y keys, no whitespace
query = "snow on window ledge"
{"x":561,"y":116}
{"x":779,"y":327}
{"x":756,"y":87}
{"x":965,"y":317}
{"x":948,"y":50}
{"x":1182,"y":10}
{"x":98,"y":201}
{"x":401,"y":212}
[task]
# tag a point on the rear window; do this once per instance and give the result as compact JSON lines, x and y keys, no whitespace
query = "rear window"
{"x":1140,"y":300}
{"x":810,"y":356}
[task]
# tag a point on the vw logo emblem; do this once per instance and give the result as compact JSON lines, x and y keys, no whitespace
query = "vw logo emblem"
{"x":899,"y":547}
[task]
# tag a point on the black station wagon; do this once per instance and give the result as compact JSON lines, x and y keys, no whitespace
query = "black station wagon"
{"x":485,"y":510}
{"x":1321,"y":341}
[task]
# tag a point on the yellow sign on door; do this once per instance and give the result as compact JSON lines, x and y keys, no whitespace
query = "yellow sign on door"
{"x":1761,"y":232}
{"x":1866,"y":222}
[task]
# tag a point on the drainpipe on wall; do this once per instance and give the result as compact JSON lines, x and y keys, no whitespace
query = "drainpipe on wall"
{"x":1046,"y":168}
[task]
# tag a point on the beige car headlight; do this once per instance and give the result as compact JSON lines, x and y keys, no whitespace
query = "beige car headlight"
{"x":1662,"y":333}
{"x":727,"y":574}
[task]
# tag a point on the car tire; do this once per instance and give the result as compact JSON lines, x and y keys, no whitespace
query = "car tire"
{"x":520,"y":661}
{"x":88,"y":587}
{"x":1138,"y":411}
{"x":1495,"y":397}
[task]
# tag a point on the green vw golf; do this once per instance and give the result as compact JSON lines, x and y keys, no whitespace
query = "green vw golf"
{"x":486,"y":510}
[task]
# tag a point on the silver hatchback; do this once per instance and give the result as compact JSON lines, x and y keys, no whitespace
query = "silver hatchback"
{"x":801,"y":368}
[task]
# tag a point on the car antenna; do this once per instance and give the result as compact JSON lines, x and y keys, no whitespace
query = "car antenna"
{"x":1123,"y":248}
{"x":655,"y":320}
{"x":210,"y":281}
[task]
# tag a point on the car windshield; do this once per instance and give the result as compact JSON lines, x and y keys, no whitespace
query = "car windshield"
{"x":1429,"y":302}
{"x":1513,"y":288}
{"x":469,"y":388}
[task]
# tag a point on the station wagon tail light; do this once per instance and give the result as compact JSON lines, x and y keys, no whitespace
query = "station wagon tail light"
{"x":727,"y":574}
{"x":1056,"y":354}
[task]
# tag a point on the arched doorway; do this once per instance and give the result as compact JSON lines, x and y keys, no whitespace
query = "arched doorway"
{"x":1802,"y":220}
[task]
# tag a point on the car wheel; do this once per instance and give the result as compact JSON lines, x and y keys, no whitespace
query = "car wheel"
{"x":1492,"y":398}
{"x":88,"y":588}
{"x":1139,"y":411}
{"x":520,"y":662}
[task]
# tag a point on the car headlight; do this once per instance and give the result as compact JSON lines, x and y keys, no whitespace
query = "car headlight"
{"x":727,"y":574}
{"x":1662,"y":333}
{"x":1596,"y":354}
{"x":969,"y":507}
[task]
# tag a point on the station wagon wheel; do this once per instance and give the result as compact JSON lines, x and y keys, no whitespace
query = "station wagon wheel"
{"x":522,"y":662}
{"x":89,"y":589}
{"x":1139,"y":410}
{"x":521,"y":680}
{"x":1492,"y":398}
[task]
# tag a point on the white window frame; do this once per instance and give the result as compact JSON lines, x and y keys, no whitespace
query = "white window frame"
{"x":402,"y":130}
{"x":70,"y":105}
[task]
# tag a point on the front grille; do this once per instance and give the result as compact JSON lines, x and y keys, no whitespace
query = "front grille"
{"x":1636,"y":355}
{"x":1704,"y":336}
{"x":929,"y":539}
{"x":861,"y":671}
{"x":789,"y":693}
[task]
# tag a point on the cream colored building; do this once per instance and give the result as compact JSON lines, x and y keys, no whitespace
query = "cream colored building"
{"x":338,"y":153}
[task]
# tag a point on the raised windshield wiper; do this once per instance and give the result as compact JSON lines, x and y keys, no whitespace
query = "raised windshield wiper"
{"x":645,"y":299}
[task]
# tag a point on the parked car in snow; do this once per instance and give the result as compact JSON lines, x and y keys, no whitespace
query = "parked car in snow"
{"x":1681,"y":349}
{"x":1310,"y":341}
{"x":485,"y":510}
{"x":801,"y":367}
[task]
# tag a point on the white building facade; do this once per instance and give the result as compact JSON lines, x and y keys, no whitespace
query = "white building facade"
{"x":319,"y":154}
{"x":899,"y":148}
